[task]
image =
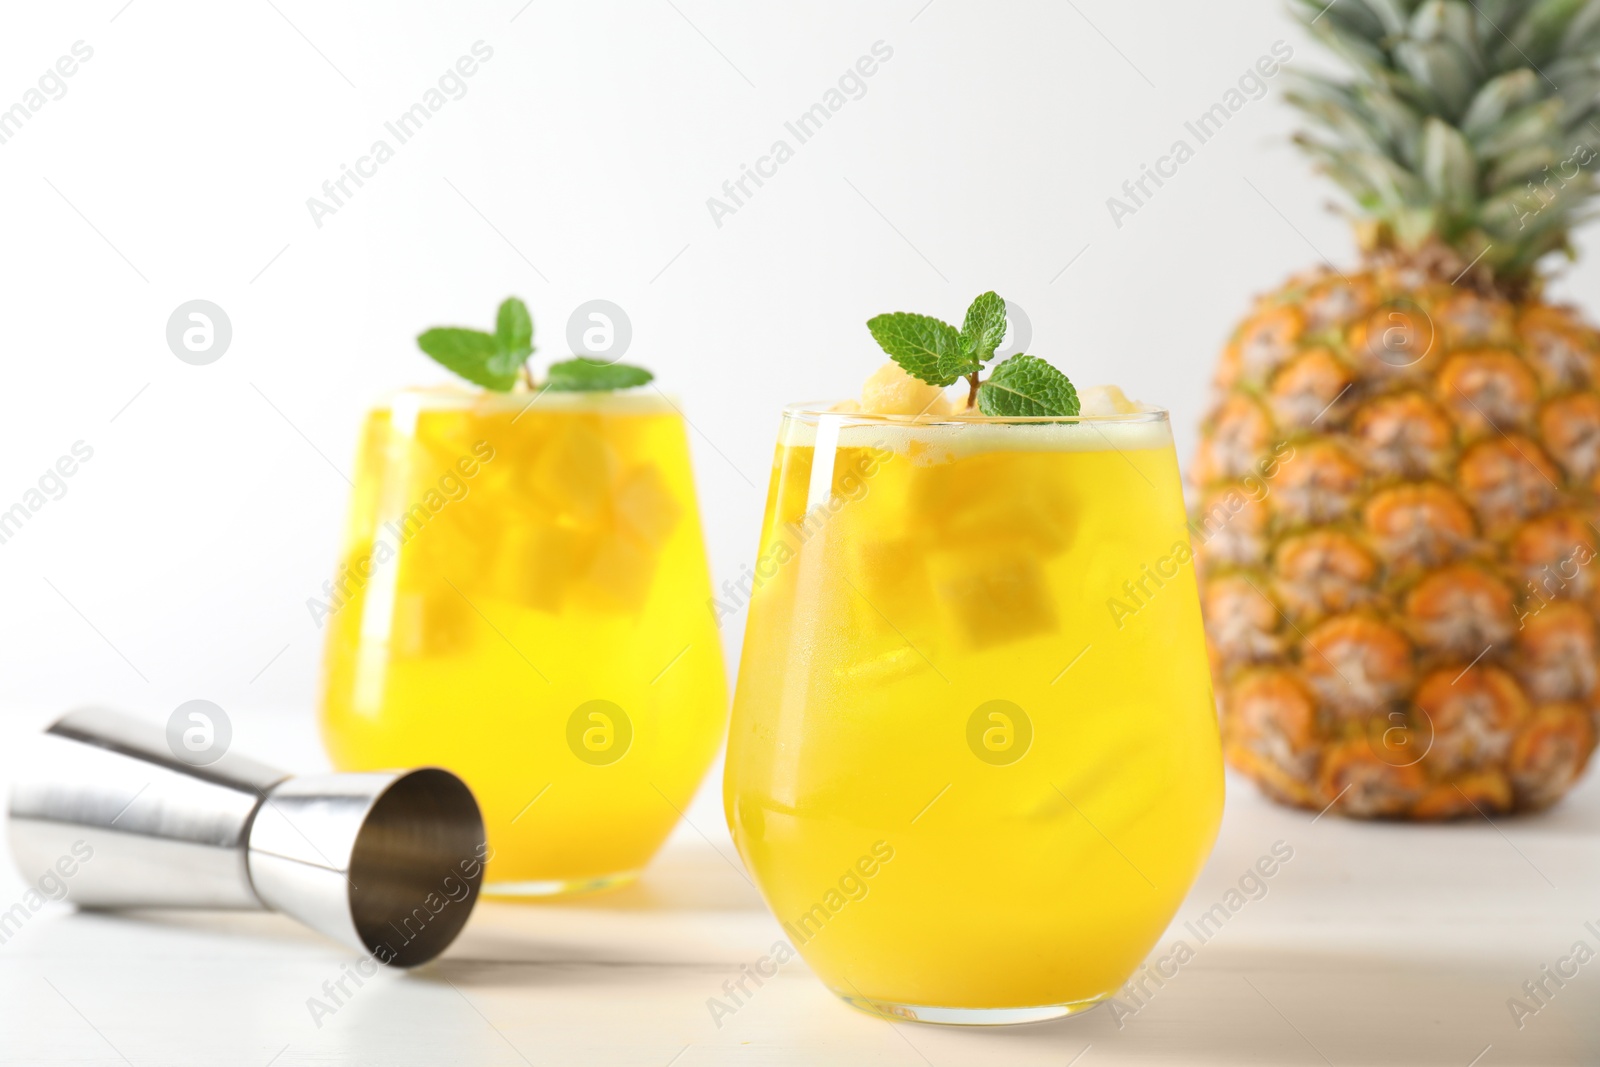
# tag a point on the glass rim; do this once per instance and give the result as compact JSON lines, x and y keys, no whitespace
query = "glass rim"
{"x":453,"y":397}
{"x":816,"y":410}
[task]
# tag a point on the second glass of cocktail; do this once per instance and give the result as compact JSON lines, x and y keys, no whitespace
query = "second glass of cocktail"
{"x":522,"y":600}
{"x":974,"y":762}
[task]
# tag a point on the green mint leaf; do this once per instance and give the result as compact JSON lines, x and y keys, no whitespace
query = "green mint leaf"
{"x":494,"y":361}
{"x":986,"y":325}
{"x":925,"y":348}
{"x":1027,"y":386}
{"x":581,"y":376}
{"x":471,"y":354}
{"x":513,"y":328}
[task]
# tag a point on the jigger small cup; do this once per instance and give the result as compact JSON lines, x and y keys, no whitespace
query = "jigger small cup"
{"x":389,"y":863}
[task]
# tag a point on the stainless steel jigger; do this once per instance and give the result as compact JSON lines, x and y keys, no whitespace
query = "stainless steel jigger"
{"x":388,"y":863}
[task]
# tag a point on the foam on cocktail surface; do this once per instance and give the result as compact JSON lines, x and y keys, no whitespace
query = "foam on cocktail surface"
{"x":601,"y":402}
{"x":945,"y":439}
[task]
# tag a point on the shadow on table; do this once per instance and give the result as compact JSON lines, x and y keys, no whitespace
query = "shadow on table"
{"x":692,"y":910}
{"x":1228,"y":1006}
{"x":1232,"y":1003}
{"x":683,"y":879}
{"x":1294,"y":1006}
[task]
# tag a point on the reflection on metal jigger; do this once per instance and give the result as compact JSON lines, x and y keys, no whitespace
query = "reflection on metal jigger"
{"x":388,"y":863}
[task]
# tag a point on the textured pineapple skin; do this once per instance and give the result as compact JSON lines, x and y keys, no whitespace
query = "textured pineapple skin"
{"x":1396,"y":499}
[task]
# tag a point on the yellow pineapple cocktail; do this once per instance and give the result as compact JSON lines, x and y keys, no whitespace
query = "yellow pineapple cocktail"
{"x":974,"y":762}
{"x":523,"y":601}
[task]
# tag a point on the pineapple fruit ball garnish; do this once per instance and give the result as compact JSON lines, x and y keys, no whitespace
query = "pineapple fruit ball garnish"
{"x":891,"y":391}
{"x":1106,"y":400}
{"x":929,"y":356}
{"x":1399,"y":478}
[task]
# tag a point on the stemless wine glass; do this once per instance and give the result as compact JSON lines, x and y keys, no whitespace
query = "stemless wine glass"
{"x":523,"y":601}
{"x":974,"y":762}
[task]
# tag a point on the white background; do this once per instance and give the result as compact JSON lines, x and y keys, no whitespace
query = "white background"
{"x":578,"y":165}
{"x":178,"y":166}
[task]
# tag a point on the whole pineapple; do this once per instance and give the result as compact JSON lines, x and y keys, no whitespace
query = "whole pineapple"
{"x":1399,"y":484}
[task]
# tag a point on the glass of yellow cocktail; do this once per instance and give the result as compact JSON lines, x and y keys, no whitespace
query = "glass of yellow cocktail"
{"x":974,"y":761}
{"x":522,"y":600}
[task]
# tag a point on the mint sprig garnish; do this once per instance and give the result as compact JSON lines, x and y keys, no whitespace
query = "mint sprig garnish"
{"x":1027,"y":385}
{"x":499,"y":360}
{"x":937,"y":353}
{"x":986,"y":325}
{"x":581,"y":376}
{"x":473,"y":354}
{"x":513,"y":330}
{"x":926,"y":348}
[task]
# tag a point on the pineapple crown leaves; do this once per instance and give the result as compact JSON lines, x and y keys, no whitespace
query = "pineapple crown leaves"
{"x":1471,"y":122}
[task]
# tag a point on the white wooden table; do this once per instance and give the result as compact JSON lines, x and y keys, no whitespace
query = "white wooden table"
{"x":1374,"y":944}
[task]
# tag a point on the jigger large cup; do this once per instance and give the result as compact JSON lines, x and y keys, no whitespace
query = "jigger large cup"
{"x":388,"y":863}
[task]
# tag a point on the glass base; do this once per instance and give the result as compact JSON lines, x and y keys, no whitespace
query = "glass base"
{"x":923,"y":1013}
{"x":558,"y":887}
